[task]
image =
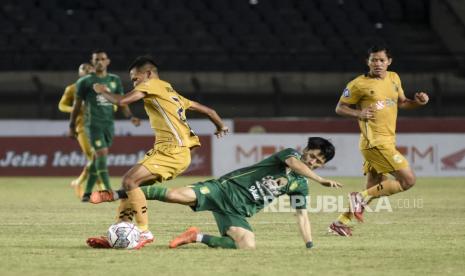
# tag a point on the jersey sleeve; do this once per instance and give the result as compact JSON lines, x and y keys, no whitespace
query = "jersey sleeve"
{"x":351,"y":94}
{"x":81,"y":90}
{"x":298,"y":192}
{"x":119,"y":86}
{"x":66,"y":101}
{"x":186,"y":103}
{"x":398,"y":83}
{"x":286,"y":153}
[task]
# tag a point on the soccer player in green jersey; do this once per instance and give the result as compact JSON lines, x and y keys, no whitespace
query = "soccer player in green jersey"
{"x":99,"y":121}
{"x":244,"y":192}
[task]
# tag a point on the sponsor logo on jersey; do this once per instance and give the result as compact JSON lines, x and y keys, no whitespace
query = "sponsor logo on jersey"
{"x":254,"y":192}
{"x":98,"y":143}
{"x":390,"y":102}
{"x":380,"y":105}
{"x":113,"y":85}
{"x":102,"y":101}
{"x":346,"y":93}
{"x":386,"y":103}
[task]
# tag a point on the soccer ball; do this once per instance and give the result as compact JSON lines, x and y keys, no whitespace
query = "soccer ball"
{"x":123,"y":235}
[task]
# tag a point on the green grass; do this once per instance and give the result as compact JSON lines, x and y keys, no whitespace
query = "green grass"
{"x":43,"y":229}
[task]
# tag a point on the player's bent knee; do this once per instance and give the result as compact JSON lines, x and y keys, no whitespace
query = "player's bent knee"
{"x":243,"y":238}
{"x":235,"y":233}
{"x":173,"y":195}
{"x":247,"y":242}
{"x":129,"y":183}
{"x":408,"y":182}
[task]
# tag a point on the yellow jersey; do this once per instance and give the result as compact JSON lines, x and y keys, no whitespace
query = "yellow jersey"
{"x":166,"y":110}
{"x":66,"y":105}
{"x":382,"y":94}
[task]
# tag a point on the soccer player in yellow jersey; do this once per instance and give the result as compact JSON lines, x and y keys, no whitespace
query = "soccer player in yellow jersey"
{"x":66,"y":105}
{"x":174,"y":140}
{"x":373,"y":99}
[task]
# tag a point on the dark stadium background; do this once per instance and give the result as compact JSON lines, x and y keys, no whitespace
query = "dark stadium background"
{"x":257,"y":58}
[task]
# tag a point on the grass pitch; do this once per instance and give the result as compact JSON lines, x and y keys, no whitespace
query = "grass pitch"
{"x":43,"y":228}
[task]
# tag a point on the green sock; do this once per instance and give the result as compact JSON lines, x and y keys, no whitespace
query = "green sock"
{"x":154,"y":192}
{"x":221,"y":242}
{"x":93,"y":176}
{"x":102,"y":170}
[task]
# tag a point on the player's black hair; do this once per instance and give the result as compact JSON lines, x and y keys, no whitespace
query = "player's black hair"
{"x":141,"y":61}
{"x":326,"y":147}
{"x":379,"y":48}
{"x":98,"y":51}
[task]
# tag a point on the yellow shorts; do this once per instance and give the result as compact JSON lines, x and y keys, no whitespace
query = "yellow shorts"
{"x":383,"y":159}
{"x":166,"y":161}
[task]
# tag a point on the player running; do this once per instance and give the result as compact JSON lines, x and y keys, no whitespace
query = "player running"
{"x":66,"y":105}
{"x":99,"y":120}
{"x":174,"y":140}
{"x":242,"y":193}
{"x":373,"y":99}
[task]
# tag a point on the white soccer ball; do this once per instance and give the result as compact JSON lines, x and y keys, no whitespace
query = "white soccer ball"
{"x":123,"y":235}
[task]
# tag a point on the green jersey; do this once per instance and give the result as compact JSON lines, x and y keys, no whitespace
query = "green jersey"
{"x":250,"y":189}
{"x":99,"y":111}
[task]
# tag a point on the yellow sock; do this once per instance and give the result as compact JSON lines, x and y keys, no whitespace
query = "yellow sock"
{"x":124,"y":212}
{"x":365,"y":195}
{"x":83,"y":176}
{"x":345,"y":218}
{"x":138,"y":204}
{"x":385,"y":188}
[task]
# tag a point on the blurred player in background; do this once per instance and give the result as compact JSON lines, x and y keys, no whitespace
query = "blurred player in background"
{"x":66,"y":105}
{"x":99,"y":118}
{"x":374,"y":99}
{"x":174,"y":140}
{"x":242,"y":193}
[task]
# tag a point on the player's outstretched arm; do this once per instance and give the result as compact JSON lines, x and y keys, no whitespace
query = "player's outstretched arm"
{"x":221,"y":129}
{"x":72,"y":120}
{"x":304,"y":227}
{"x":420,"y":99}
{"x":299,"y":167}
{"x":120,"y":100}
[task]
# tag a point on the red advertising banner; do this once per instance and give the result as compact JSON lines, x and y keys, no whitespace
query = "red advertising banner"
{"x":61,"y":156}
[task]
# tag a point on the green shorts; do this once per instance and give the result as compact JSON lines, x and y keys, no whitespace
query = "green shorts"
{"x":100,"y":137}
{"x":211,"y":198}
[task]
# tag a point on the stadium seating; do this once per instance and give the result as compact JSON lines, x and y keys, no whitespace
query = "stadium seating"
{"x":219,"y":35}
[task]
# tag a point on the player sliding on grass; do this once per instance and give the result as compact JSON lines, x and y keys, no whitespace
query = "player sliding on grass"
{"x":174,"y":140}
{"x":242,"y":193}
{"x":376,"y":96}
